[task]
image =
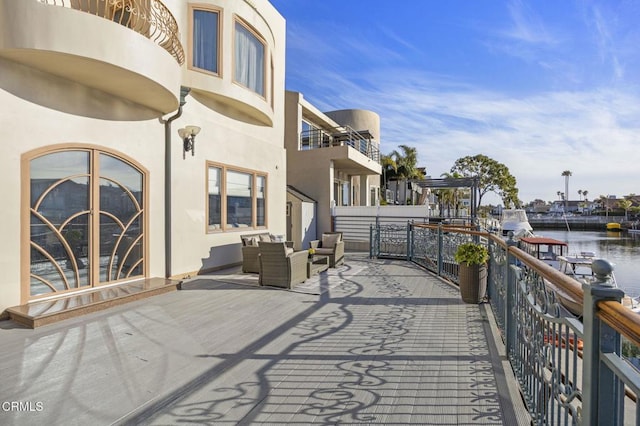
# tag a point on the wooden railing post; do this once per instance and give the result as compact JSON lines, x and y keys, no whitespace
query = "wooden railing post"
{"x":602,"y":399}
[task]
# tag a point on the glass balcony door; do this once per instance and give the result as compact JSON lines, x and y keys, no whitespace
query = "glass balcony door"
{"x":86,"y":221}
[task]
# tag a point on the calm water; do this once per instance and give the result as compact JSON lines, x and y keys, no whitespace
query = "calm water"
{"x":620,"y":248}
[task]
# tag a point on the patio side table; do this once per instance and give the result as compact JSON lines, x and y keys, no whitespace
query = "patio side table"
{"x":316,"y":264}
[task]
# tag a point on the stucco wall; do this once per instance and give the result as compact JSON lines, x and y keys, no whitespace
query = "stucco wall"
{"x":225,"y":141}
{"x":358,"y":119}
{"x":31,"y":126}
{"x":42,"y":110}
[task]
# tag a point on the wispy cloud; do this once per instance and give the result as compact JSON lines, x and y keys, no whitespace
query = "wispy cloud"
{"x":526,"y":26}
{"x":591,"y":130}
{"x":604,"y":43}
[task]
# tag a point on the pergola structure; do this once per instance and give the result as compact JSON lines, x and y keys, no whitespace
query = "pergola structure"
{"x":472,"y":183}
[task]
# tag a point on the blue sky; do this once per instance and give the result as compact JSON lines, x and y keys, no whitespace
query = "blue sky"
{"x":540,"y":86}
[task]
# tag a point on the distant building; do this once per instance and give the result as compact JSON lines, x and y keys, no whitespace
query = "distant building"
{"x":332,"y":157}
{"x":538,"y":207}
{"x":560,"y":207}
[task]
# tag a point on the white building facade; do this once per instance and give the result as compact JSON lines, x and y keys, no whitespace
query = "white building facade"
{"x":100,"y":187}
{"x":333,"y":157}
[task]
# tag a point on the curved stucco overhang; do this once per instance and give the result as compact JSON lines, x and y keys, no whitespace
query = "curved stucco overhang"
{"x":220,"y":92}
{"x":231,"y":100}
{"x":347,"y":160}
{"x":92,"y":52}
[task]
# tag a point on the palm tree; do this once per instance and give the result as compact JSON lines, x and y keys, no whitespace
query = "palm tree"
{"x":406,"y":165}
{"x":625,"y":205}
{"x":586,"y":201}
{"x":445,"y":199}
{"x":389,"y":171}
{"x":603,"y":200}
{"x":580,"y":194}
{"x":453,"y":195}
{"x":566,"y":174}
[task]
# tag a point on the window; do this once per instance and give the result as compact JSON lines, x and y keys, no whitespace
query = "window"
{"x":70,"y":248}
{"x":239,"y":199}
{"x":205,"y":40}
{"x":249,"y":59}
{"x":215,"y":201}
{"x":312,"y":137}
{"x":260,"y":197}
{"x":236,"y":199}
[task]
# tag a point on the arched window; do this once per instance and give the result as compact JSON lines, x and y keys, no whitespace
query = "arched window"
{"x":86,"y":220}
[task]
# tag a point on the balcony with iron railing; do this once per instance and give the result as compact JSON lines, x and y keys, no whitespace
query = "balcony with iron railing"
{"x":99,"y":44}
{"x":340,"y":136}
{"x":151,"y":18}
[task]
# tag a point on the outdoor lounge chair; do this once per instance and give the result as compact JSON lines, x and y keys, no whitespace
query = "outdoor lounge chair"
{"x":280,"y":266}
{"x":250,"y":250}
{"x":330,"y":245}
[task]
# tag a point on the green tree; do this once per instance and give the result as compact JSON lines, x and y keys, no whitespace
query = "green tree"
{"x":453,"y":196}
{"x":492,"y":175}
{"x":389,"y":172}
{"x":626,"y":206}
{"x":406,"y":164}
{"x":603,"y":202}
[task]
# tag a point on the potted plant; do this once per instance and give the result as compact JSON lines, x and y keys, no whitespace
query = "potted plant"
{"x":472,"y":273}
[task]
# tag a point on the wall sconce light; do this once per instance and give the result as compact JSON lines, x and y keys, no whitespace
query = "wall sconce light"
{"x":188,"y":135}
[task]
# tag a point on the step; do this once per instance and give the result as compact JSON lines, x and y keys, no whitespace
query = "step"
{"x":37,"y":314}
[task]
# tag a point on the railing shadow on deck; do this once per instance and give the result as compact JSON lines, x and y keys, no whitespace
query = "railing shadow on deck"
{"x":359,"y":386}
{"x":570,"y":368}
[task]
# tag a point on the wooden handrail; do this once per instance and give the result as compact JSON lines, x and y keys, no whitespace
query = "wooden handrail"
{"x":621,"y":319}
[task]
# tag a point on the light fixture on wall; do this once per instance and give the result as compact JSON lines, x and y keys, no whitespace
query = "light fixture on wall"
{"x":188,"y":135}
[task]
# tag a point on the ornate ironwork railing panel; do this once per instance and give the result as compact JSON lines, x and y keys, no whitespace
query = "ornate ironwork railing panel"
{"x":389,"y":241}
{"x":425,"y":247}
{"x":151,"y":18}
{"x":497,"y":280}
{"x":450,"y":242}
{"x":546,"y":357}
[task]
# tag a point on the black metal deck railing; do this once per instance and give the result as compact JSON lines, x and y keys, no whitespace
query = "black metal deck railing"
{"x":339,"y":136}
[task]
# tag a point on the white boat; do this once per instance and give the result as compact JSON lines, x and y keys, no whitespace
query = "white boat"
{"x":548,"y":250}
{"x":555,"y":253}
{"x":516,"y":221}
{"x":577,"y":266}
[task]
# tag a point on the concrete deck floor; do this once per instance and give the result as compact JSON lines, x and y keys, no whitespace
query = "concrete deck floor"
{"x":384,"y":343}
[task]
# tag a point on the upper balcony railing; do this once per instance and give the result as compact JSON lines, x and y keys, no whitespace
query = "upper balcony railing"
{"x":340,"y":136}
{"x":571,"y":369}
{"x":151,"y":18}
